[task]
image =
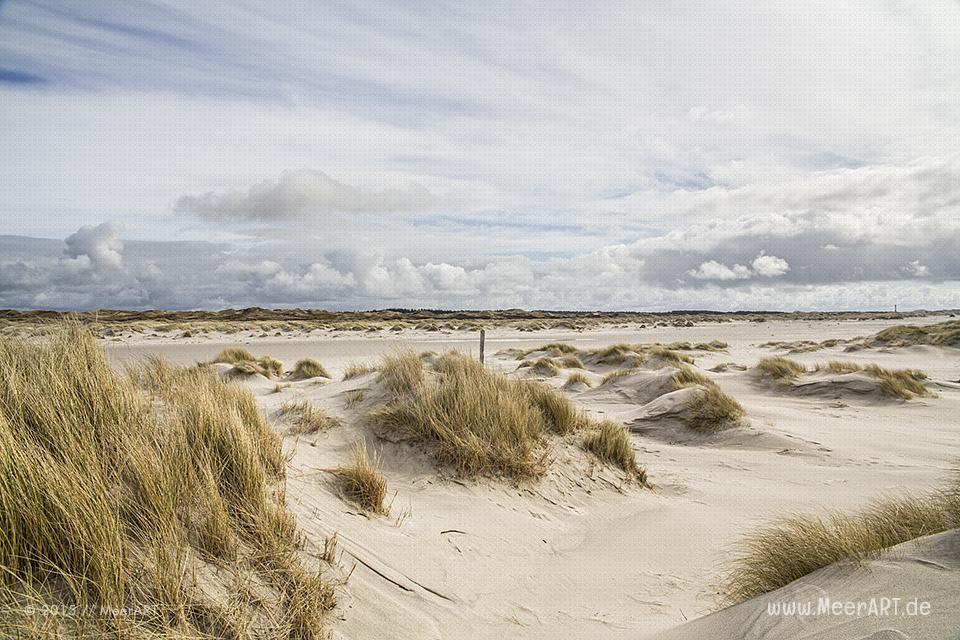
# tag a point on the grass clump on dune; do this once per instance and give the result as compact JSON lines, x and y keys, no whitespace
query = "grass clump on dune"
{"x":897,"y":383}
{"x":900,"y":383}
{"x":307,"y":419}
{"x":401,"y":373}
{"x":362,"y":481}
{"x":946,"y":334}
{"x":356,"y":369}
{"x":713,"y":410}
{"x":783,"y":370}
{"x":671,"y":356}
{"x":609,"y":441}
{"x":795,"y":546}
{"x":114,"y":489}
{"x":480,"y":422}
{"x":577,"y":377}
{"x":309,"y":368}
{"x":246,"y":363}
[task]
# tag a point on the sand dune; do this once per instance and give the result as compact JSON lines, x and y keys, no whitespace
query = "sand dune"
{"x":583,"y":551}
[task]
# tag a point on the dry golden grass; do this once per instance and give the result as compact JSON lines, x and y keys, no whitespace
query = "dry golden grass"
{"x":941,"y":334}
{"x":618,"y":354}
{"x":610,"y":441}
{"x":401,"y":373}
{"x":668,"y":355}
{"x":577,"y":377}
{"x":114,"y":489}
{"x":480,"y":422}
{"x":549,"y":366}
{"x":362,"y":481}
{"x":897,"y":383}
{"x":309,"y":368}
{"x":839,"y":367}
{"x":246,"y":363}
{"x":793,"y":547}
{"x":356,"y":369}
{"x":713,"y":410}
{"x":615,"y":375}
{"x":545,"y":367}
{"x":306,"y":418}
{"x":783,"y":370}
{"x":355,"y":397}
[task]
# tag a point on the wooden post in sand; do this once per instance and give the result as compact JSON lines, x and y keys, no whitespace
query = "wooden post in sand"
{"x":483,"y":337}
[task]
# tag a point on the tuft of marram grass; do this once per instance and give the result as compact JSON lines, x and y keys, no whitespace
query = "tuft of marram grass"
{"x":712,"y":410}
{"x":355,"y":397}
{"x":401,"y":373}
{"x":610,"y":441}
{"x":577,"y":377}
{"x":783,"y":370}
{"x":545,"y":367}
{"x":309,"y":368}
{"x":615,"y":375}
{"x":356,"y":369}
{"x":897,"y":383}
{"x":306,"y":418}
{"x":115,"y":488}
{"x":790,"y":548}
{"x":245,"y":363}
{"x":480,"y":422}
{"x":362,"y":481}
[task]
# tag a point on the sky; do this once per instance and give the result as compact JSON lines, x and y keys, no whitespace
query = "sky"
{"x":599,"y":155}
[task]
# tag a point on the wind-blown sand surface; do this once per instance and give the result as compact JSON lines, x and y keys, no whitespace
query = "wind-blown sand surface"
{"x":580,"y":554}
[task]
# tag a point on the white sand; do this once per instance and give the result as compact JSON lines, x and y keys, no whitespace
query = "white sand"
{"x":577,"y":557}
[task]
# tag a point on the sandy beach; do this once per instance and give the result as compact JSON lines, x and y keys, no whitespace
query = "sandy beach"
{"x":581,"y":553}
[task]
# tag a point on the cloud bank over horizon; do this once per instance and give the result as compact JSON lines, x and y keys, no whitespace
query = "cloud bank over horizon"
{"x":165,"y":155}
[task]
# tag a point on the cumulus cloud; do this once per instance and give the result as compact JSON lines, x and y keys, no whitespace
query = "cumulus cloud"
{"x":770,"y":266}
{"x":303,"y":194}
{"x":713,"y":270}
{"x":96,"y":247}
{"x":763,"y":265}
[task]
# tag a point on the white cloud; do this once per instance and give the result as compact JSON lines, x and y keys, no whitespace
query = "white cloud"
{"x":94,"y":247}
{"x":303,"y":194}
{"x":770,"y":266}
{"x":713,"y":270}
{"x":763,"y":265}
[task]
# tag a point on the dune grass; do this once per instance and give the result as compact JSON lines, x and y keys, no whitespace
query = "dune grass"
{"x":306,"y":418}
{"x":356,"y":369}
{"x":839,"y":367}
{"x":575,"y":378}
{"x":790,"y":548}
{"x":401,"y":373}
{"x":309,"y":368}
{"x":361,"y":481}
{"x":545,"y":367}
{"x":114,"y":489}
{"x":246,"y":363}
{"x":783,"y":370}
{"x":897,"y":383}
{"x":945,"y":334}
{"x":480,"y":422}
{"x":712,"y":410}
{"x":616,"y":374}
{"x":355,"y":397}
{"x":669,"y":355}
{"x":610,"y":441}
